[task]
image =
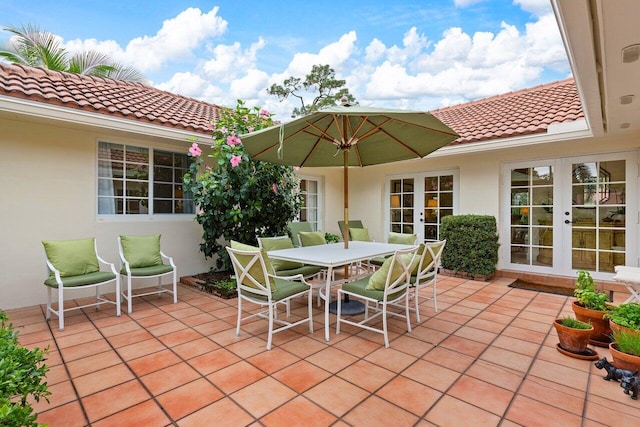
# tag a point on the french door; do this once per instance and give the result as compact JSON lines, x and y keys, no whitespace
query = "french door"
{"x":570,"y":214}
{"x":416,"y":203}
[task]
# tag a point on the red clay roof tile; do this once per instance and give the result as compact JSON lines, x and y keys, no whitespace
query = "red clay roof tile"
{"x":525,"y":112}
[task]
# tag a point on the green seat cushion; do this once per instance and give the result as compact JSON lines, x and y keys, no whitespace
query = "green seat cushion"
{"x":378,"y":280}
{"x":360,"y":287}
{"x":154,"y":270}
{"x":275,"y":243}
{"x":401,"y":238}
{"x":84,"y":279}
{"x":378,"y":261}
{"x":312,"y":238}
{"x":72,"y":257}
{"x":256,"y":270}
{"x":422,"y":251}
{"x":285,"y":288}
{"x":305,"y":270}
{"x":359,"y":234}
{"x":141,"y":251}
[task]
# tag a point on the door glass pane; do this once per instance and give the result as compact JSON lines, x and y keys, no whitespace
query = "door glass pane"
{"x":402,"y":201}
{"x":309,"y":197}
{"x":438,"y":202}
{"x":599,"y":215}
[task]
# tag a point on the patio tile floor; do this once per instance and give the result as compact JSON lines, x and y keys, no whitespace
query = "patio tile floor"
{"x":487,"y":357}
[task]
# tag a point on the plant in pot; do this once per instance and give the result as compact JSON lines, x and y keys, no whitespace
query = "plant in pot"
{"x":625,"y":350}
{"x":625,"y":316}
{"x":574,"y":337}
{"x":590,"y":306}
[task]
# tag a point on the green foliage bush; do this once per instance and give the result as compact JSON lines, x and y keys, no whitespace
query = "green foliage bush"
{"x":571,"y":322}
{"x":472,"y":244}
{"x":628,"y":342}
{"x":239,"y":198}
{"x":22,"y":374}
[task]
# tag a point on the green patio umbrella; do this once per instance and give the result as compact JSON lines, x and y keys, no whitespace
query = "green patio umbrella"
{"x":349,"y":135}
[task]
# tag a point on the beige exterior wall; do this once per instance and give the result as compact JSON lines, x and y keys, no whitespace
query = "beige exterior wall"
{"x":48,"y":192}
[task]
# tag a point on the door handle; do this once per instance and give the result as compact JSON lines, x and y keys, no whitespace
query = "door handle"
{"x":568,"y":221}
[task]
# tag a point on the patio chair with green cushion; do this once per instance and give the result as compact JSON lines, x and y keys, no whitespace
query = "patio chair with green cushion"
{"x":398,"y":238}
{"x":353,"y":223}
{"x":258,"y":285}
{"x":388,"y":287}
{"x":75,"y":264}
{"x":426,"y":273}
{"x":141,"y":258}
{"x":289,"y":268}
{"x":295,"y":228}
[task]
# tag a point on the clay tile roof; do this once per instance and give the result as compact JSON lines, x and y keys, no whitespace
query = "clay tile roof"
{"x":525,"y":112}
{"x":128,"y":100}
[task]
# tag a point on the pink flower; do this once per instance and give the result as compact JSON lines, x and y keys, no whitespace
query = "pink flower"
{"x":296,"y":168}
{"x":233,"y":140}
{"x":250,"y":129}
{"x":210,"y":126}
{"x":274,"y":187}
{"x":224,"y":130}
{"x":235,"y":161}
{"x":194,"y":150}
{"x":264,"y":112}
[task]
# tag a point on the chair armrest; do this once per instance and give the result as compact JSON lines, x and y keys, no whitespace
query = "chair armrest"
{"x":168,"y":258}
{"x":107,"y":264}
{"x":295,"y":277}
{"x":55,"y":272}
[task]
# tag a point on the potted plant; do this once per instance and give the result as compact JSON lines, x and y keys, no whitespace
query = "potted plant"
{"x":625,"y":350}
{"x":331,"y":238}
{"x":590,"y":306}
{"x":625,"y":316}
{"x":574,"y":336}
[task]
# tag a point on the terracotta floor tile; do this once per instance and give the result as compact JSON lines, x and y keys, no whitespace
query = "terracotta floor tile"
{"x":168,"y":378}
{"x":561,"y":396}
{"x":410,"y":395}
{"x":464,"y":346}
{"x":216,"y":326}
{"x":449,"y":359}
{"x":450,"y":411}
{"x":481,"y":394}
{"x":432,"y":375}
{"x":189,"y":398}
{"x":141,"y":348}
{"x":93,"y":363}
{"x":273,"y":360}
{"x":226,"y":413}
{"x":391,"y":359}
{"x":249,"y":347}
{"x":153,"y":362}
{"x":263,"y":396}
{"x":179,"y":337}
{"x":475,"y":334}
{"x":121,"y":328}
{"x":236,"y":376}
{"x":69,"y":415}
{"x":521,"y":346}
{"x":213,"y":361}
{"x":134,"y":337}
{"x":412,"y":346}
{"x":331,"y":359}
{"x":115,"y":399}
{"x":195,"y":348}
{"x":301,"y":376}
{"x":496,"y":374}
{"x":375,"y":412}
{"x":197,"y":319}
{"x":158,"y":318}
{"x":304,"y":412}
{"x":367,"y":375}
{"x":304,"y":346}
{"x":61,"y":394}
{"x":357,"y":346}
{"x":529,"y":412}
{"x":56,"y":374}
{"x":79,"y":338}
{"x":560,"y":374}
{"x":506,"y":358}
{"x":143,"y":414}
{"x":336,"y":395}
{"x":83,"y":350}
{"x":166,"y":328}
{"x":102,"y":379}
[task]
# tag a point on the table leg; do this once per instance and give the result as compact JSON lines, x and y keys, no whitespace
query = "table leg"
{"x":327,"y":300}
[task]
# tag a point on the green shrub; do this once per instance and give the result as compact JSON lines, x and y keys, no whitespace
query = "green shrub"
{"x":571,"y":322}
{"x":22,"y":374}
{"x":627,"y":314}
{"x":331,"y":238}
{"x":586,"y":294}
{"x":628,"y":342}
{"x":472,"y":244}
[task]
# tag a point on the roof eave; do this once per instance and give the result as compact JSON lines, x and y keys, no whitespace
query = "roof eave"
{"x":78,"y":117}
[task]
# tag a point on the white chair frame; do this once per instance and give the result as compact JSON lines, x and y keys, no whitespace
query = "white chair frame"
{"x":427,"y":275}
{"x":99,"y":298}
{"x":160,"y":288}
{"x":398,"y":286}
{"x":242,"y":273}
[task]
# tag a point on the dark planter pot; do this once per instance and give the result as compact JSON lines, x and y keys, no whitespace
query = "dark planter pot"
{"x":571,"y":339}
{"x":601,"y":335}
{"x":623,"y":360}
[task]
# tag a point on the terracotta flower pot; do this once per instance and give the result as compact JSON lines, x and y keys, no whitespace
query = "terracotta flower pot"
{"x":623,"y":360}
{"x":572,"y":339}
{"x":616,"y":328}
{"x":601,"y":335}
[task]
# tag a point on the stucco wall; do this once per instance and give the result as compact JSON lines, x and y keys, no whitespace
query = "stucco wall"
{"x":48,"y":192}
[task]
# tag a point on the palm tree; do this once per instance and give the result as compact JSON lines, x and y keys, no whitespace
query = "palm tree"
{"x":35,"y":48}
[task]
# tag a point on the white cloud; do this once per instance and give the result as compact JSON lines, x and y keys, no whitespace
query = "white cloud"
{"x":250,"y":85}
{"x":191,"y":85}
{"x":536,"y":7}
{"x":334,"y":54}
{"x":374,"y":51}
{"x":230,"y":61}
{"x":466,"y":3}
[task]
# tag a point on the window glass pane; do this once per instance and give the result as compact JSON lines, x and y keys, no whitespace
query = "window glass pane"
{"x":137,"y":171}
{"x":137,"y":155}
{"x":162,"y":206}
{"x":446,"y":183}
{"x":109,"y":169}
{"x":519,"y":177}
{"x":163,"y":174}
{"x":162,"y":190}
{"x":163,"y":159}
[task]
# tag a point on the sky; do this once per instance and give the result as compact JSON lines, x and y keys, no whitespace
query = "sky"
{"x":410,"y":54}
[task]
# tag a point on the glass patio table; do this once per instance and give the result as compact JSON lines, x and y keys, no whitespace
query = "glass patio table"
{"x":334,"y":255}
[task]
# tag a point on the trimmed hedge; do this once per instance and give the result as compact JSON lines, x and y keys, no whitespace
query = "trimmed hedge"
{"x":472,"y":244}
